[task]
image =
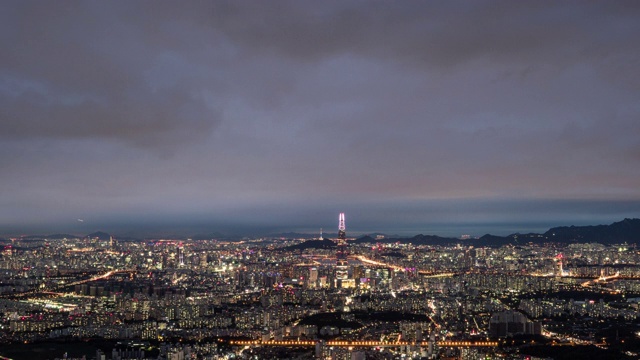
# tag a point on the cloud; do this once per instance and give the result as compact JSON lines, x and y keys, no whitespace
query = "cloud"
{"x":441,"y":33}
{"x":75,"y":71}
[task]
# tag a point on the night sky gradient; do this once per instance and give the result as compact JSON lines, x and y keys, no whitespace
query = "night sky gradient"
{"x":439,"y":117}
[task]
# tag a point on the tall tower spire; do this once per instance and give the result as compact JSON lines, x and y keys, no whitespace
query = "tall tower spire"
{"x":342,"y":265}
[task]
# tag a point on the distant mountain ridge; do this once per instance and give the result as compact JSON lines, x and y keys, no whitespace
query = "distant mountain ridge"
{"x":625,"y":231}
{"x":52,"y":237}
{"x":207,"y":236}
{"x":100,"y":235}
{"x":419,"y":239}
{"x":312,"y":244}
{"x":296,"y":235}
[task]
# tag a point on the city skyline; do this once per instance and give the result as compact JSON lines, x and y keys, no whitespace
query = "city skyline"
{"x":438,"y":117}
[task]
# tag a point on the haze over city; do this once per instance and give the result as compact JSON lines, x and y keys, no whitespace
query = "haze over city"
{"x":436,"y":117}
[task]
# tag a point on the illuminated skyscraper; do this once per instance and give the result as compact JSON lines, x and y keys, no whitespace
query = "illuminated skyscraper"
{"x":559,"y":269}
{"x":180,"y":255}
{"x":342,"y":251}
{"x":313,"y":277}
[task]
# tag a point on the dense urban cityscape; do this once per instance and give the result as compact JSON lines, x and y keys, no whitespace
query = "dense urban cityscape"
{"x":100,"y":297}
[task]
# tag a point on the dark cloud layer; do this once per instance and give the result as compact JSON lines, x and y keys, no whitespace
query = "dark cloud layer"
{"x":253,"y":113}
{"x":80,"y":70}
{"x":440,"y":33}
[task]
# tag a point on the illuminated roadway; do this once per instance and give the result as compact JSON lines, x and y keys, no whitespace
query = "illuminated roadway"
{"x":344,"y":343}
{"x":97,"y":277}
{"x":421,"y":272}
{"x":600,"y":279}
{"x":62,"y":286}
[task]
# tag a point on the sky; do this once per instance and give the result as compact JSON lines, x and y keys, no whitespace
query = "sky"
{"x":438,"y":117}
